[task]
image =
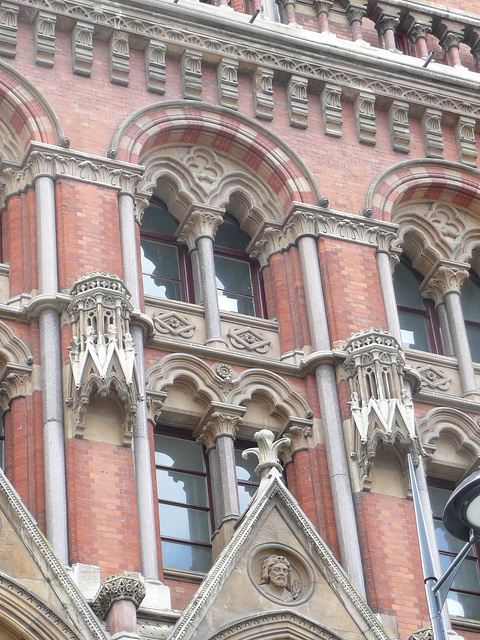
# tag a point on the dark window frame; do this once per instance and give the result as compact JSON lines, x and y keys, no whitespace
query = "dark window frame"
{"x":403,"y":44}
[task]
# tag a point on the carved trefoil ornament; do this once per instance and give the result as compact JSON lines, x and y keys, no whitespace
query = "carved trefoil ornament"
{"x":398,"y":123}
{"x":8,"y":29}
{"x":432,"y":133}
{"x":82,"y":48}
{"x":174,"y":324}
{"x":119,"y":61}
{"x":102,"y":357}
{"x":191,"y":66}
{"x":465,"y":139}
{"x":364,"y":107}
{"x":331,"y":103}
{"x":248,"y":339}
{"x":44,"y":40}
{"x":297,"y":101}
{"x":381,"y":408}
{"x":262,"y":84}
{"x":155,"y":66}
{"x":227,"y":78}
{"x":203,"y":162}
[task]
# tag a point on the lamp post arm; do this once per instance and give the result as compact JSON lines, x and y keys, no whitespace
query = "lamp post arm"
{"x":442,"y":587}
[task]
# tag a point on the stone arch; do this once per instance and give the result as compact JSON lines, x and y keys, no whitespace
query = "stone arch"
{"x":15,"y":367}
{"x":263,"y":156}
{"x":423,"y":180}
{"x":452,"y":440}
{"x":25,"y":116}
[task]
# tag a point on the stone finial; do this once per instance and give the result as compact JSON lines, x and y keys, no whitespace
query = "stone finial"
{"x":267,"y":452}
{"x":115,"y":588}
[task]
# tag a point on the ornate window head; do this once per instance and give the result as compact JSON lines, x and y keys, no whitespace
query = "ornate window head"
{"x":418,"y":320}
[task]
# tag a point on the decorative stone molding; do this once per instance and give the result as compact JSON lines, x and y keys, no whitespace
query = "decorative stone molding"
{"x":318,"y":222}
{"x":155,"y":66}
{"x":364,"y":107}
{"x":262,"y":84}
{"x":422,"y":634}
{"x":248,"y":339}
{"x":42,"y":159}
{"x":450,"y":34}
{"x":398,"y":124}
{"x":173,"y":323}
{"x":219,"y":420}
{"x":191,"y":66}
{"x":155,"y":401}
{"x":267,"y":451}
{"x":297,"y":101}
{"x":115,"y":588}
{"x":82,"y":48}
{"x":465,"y":139}
{"x":102,"y":357}
{"x":227,"y":78}
{"x":15,"y":382}
{"x":355,"y":12}
{"x":8,"y":29}
{"x":204,"y":165}
{"x":444,"y":277}
{"x":431,"y":122}
{"x":201,"y":222}
{"x":44,"y":38}
{"x":382,"y":410}
{"x":330,"y":100}
{"x":119,"y":58}
{"x":434,"y":378}
{"x":299,"y":431}
{"x":322,"y":9}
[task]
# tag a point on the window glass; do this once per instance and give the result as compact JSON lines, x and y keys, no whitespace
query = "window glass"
{"x":247,"y":479}
{"x":464,"y":597}
{"x":157,"y":219}
{"x":471,"y":314}
{"x":182,"y":486}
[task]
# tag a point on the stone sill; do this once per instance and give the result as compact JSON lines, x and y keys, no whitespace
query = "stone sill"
{"x":183,"y":575}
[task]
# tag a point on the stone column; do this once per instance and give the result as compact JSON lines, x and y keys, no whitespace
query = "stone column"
{"x":385,"y":24}
{"x":384,"y":270}
{"x":444,"y":329}
{"x":288,"y":12}
{"x":450,"y":36}
{"x":331,"y":419}
{"x":51,"y":367}
{"x":322,"y":8}
{"x":117,"y":602}
{"x":443,"y":284}
{"x":199,"y":231}
{"x":217,"y":430}
{"x":355,"y":13}
{"x":141,"y":442}
{"x":417,"y":27}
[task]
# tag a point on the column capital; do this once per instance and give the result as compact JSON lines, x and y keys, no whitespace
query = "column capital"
{"x":200,"y":222}
{"x":417,"y":25}
{"x":450,"y":34}
{"x":322,"y":6}
{"x":446,"y":276}
{"x":299,"y":431}
{"x":115,"y":588}
{"x":219,"y":420}
{"x":356,"y":11}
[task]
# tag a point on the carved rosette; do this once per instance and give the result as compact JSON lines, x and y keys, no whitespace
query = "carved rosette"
{"x":102,"y":357}
{"x":115,"y":588}
{"x":220,"y":420}
{"x":444,"y":278}
{"x":381,"y":407}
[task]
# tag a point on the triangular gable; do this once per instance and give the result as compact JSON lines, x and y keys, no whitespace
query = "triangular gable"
{"x":232,"y":601}
{"x":36,"y":593}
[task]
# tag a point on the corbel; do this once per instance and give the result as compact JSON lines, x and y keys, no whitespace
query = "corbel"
{"x":82,"y":48}
{"x":330,"y":100}
{"x":44,"y":38}
{"x":432,"y":133}
{"x":398,"y":124}
{"x":155,"y":66}
{"x":297,"y":101}
{"x":465,"y":139}
{"x":262,"y":84}
{"x":191,"y":65}
{"x":364,"y":107}
{"x":8,"y":29}
{"x":119,"y":58}
{"x":227,"y":78}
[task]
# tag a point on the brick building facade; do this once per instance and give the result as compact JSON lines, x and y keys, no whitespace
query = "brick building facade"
{"x":232,"y":226}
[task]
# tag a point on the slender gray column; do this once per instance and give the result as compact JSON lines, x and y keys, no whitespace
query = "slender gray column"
{"x":331,"y":419}
{"x":388,"y":293}
{"x":224,"y":481}
{"x":197,"y":281}
{"x":141,"y":442}
{"x":445,"y":329}
{"x":51,"y":370}
{"x":461,"y":347}
{"x":209,"y":288}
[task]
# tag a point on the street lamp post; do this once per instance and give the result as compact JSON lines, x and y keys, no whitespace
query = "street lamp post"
{"x":461,"y":518}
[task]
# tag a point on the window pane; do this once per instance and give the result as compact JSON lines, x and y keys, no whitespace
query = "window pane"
{"x":233,"y":275}
{"x":406,"y":288}
{"x":438,"y":499}
{"x":181,"y":522}
{"x":186,"y":488}
{"x":159,"y":259}
{"x":463,"y":604}
{"x":245,"y":494}
{"x":161,"y":288}
{"x":188,"y":557}
{"x":177,"y":452}
{"x":157,"y":219}
{"x":235,"y":302}
{"x":471,"y":301}
{"x":467,"y":576}
{"x":473,"y":333}
{"x":246,"y":468}
{"x":230,"y":235}
{"x":414,"y":332}
{"x":445,"y":541}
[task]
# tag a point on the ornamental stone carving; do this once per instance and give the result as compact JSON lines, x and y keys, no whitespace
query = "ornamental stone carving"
{"x":44,"y":40}
{"x":102,"y":357}
{"x":262,"y":84}
{"x":204,"y":164}
{"x":364,"y":107}
{"x":432,"y":133}
{"x":119,"y":61}
{"x":398,"y":123}
{"x":297,"y":101}
{"x":201,"y":222}
{"x":381,"y":407}
{"x":227,"y":78}
{"x":155,"y":66}
{"x":173,"y":323}
{"x":82,"y":48}
{"x":191,"y":66}
{"x":8,"y":29}
{"x":330,"y":100}
{"x":445,"y":277}
{"x":248,"y":339}
{"x":266,"y":452}
{"x":434,"y":378}
{"x":219,"y":420}
{"x":115,"y":588}
{"x":465,"y":139}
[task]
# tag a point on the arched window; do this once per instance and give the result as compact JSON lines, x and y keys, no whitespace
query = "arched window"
{"x":418,"y":320}
{"x":239,"y":284}
{"x":166,"y":266}
{"x":471,"y":313}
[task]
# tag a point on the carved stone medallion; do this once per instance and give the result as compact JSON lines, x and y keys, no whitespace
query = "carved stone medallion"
{"x":280,"y":575}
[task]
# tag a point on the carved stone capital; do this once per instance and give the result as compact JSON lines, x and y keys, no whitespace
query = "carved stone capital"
{"x":219,"y":420}
{"x":267,"y":244}
{"x":299,"y":431}
{"x":386,"y":22}
{"x":451,"y":39}
{"x":115,"y":588}
{"x":442,"y":279}
{"x":15,"y":382}
{"x":418,"y":30}
{"x":356,"y":13}
{"x":200,"y":223}
{"x":322,"y":6}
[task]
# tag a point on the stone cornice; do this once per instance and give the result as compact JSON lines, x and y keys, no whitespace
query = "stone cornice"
{"x":345,"y":63}
{"x":47,"y":160}
{"x":309,"y":220}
